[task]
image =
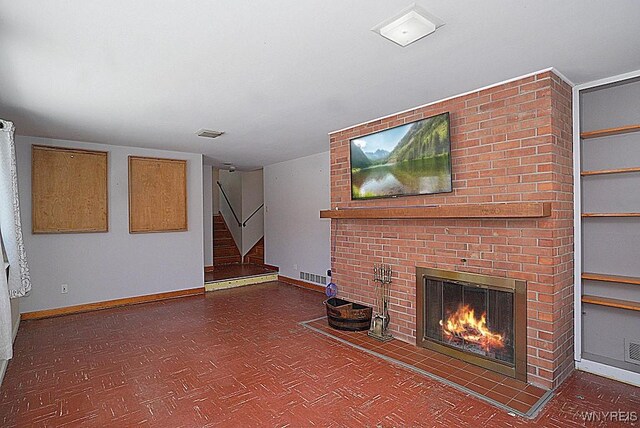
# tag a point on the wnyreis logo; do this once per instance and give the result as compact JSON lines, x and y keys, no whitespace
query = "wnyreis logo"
{"x":620,"y":416}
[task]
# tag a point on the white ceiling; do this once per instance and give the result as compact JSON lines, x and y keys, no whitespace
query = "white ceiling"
{"x":277,"y":75}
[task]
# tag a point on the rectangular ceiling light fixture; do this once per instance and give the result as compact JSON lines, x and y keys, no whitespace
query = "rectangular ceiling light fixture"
{"x":208,"y":133}
{"x":411,"y":24}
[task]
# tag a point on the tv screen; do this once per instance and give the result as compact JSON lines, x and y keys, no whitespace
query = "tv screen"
{"x":411,"y":159}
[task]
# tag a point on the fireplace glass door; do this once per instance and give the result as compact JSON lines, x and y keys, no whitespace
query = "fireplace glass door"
{"x":471,"y":318}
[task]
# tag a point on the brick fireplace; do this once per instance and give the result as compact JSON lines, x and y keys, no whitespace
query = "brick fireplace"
{"x":509,"y":143}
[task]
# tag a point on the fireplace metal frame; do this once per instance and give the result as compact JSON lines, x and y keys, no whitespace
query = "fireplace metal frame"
{"x":517,"y":287}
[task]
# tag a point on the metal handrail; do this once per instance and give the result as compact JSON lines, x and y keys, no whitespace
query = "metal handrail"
{"x":229,"y":203}
{"x":244,"y":223}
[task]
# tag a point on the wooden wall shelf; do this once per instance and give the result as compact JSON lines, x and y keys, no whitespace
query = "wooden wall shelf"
{"x":611,"y":278}
{"x":609,"y":131}
{"x":610,"y":171}
{"x":506,"y":210}
{"x":610,"y":214}
{"x":612,"y":303}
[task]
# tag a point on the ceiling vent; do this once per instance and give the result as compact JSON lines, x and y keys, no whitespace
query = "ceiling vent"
{"x":208,"y":133}
{"x":408,"y":26}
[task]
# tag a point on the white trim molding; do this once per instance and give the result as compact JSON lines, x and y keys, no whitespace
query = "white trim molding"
{"x":577,"y":229}
{"x":610,"y":372}
{"x":607,"y":80}
{"x":580,"y":363}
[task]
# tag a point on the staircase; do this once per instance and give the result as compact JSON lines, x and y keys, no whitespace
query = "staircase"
{"x":229,"y":270}
{"x":225,"y":250}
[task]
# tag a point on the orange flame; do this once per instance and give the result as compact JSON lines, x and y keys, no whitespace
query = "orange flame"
{"x":463,"y":324}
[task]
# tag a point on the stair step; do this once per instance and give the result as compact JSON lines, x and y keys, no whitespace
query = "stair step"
{"x":226,"y":251}
{"x":222,"y":232}
{"x":226,"y":260}
{"x":239,"y":282}
{"x":220,"y":236}
{"x":224,"y":243}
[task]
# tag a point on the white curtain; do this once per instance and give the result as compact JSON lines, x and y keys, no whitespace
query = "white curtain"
{"x":19,"y":282}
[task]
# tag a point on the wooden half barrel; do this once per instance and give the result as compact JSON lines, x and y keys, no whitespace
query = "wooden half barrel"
{"x":345,"y":315}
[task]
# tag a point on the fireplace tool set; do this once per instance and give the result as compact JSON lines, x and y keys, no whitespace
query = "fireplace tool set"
{"x":380,"y":321}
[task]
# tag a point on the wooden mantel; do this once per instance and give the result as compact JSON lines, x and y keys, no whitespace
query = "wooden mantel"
{"x":505,"y":210}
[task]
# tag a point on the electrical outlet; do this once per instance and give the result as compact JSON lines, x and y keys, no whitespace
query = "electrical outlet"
{"x":64,"y":289}
{"x":295,"y":267}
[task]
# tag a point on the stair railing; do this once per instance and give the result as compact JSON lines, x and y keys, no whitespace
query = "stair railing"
{"x":244,"y":223}
{"x":230,"y":206}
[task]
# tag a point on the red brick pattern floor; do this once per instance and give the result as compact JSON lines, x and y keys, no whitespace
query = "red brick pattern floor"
{"x":514,"y":395}
{"x":240,"y":358}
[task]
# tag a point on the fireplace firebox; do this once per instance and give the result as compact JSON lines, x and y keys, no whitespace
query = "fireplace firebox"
{"x":477,"y":318}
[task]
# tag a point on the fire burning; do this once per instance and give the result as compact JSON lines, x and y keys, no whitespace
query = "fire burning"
{"x":463,"y":325}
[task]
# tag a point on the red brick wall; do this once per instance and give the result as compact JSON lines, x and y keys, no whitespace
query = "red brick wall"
{"x":511,"y":142}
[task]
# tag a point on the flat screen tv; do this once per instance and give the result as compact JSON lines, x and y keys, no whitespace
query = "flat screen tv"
{"x":411,"y":159}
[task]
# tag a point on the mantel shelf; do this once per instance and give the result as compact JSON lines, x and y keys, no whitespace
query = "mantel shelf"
{"x":610,"y":131}
{"x":506,"y":210}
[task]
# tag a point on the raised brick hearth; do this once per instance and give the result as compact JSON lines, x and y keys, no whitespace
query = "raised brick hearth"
{"x":510,"y":143}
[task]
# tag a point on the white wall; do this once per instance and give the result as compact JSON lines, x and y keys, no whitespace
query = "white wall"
{"x":207,"y":213}
{"x":294,"y":192}
{"x":232,"y":184}
{"x":116,"y":264}
{"x":252,"y":198}
{"x":215,"y":176}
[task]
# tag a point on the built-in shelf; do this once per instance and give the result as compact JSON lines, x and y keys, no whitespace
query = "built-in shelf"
{"x":612,"y":303}
{"x":609,"y":131}
{"x":610,"y":214}
{"x":611,"y":278}
{"x":610,"y":171}
{"x":506,"y":210}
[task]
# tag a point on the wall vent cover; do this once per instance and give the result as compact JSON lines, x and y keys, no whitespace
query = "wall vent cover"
{"x":318,"y":279}
{"x":209,"y":133}
{"x":632,"y":351}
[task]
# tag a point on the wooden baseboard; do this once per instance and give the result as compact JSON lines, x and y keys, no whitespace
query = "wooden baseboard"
{"x":48,"y":313}
{"x":303,"y":284}
{"x":209,"y":268}
{"x":272,"y":267}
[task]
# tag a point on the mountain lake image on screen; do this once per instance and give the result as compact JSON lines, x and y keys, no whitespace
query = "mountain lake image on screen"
{"x":411,"y":159}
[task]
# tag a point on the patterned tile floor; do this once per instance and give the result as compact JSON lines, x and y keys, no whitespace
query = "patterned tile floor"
{"x":514,"y":395}
{"x":240,"y":358}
